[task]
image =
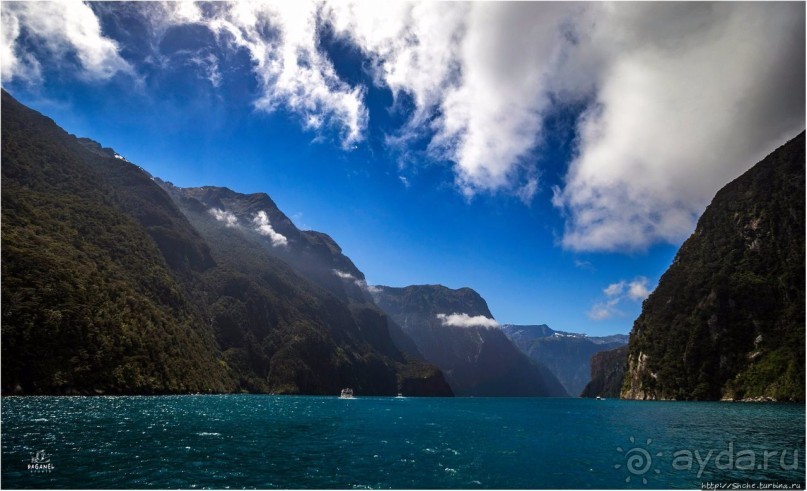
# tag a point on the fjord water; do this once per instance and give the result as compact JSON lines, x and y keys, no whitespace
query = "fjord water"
{"x":240,"y":441}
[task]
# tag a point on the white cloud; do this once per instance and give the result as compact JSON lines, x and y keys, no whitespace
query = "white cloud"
{"x":619,"y":293}
{"x":476,"y":72}
{"x":614,"y":289}
{"x":465,"y":320}
{"x":60,"y":29}
{"x":687,"y":97}
{"x":210,"y":65}
{"x":357,"y":281}
{"x":263,"y":227}
{"x":604,"y":310}
{"x":226,"y":217}
{"x":344,"y":275}
{"x":293,"y":72}
{"x":670,"y":84}
{"x":637,"y":289}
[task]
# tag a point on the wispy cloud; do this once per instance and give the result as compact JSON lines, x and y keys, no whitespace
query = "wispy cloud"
{"x":349,"y":277}
{"x":293,"y":72}
{"x":344,"y":275}
{"x":263,"y":227}
{"x":604,"y":310}
{"x":226,"y":217}
{"x":62,"y":30}
{"x":465,"y":320}
{"x":618,"y":293}
{"x":210,"y":67}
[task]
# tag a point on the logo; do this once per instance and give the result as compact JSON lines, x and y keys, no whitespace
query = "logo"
{"x":40,"y":462}
{"x":638,"y":461}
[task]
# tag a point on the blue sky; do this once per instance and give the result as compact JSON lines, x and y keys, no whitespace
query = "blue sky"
{"x":523,"y":150}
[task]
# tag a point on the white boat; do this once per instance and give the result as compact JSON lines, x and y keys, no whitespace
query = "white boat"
{"x":346,"y":394}
{"x":400,"y":396}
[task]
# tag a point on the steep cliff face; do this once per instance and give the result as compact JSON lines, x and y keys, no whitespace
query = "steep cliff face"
{"x":455,"y":330}
{"x":727,"y":318}
{"x":607,"y":373}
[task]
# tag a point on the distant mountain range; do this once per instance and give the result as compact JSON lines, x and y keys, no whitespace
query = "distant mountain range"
{"x":567,"y":355}
{"x":727,"y":319}
{"x":455,"y":330}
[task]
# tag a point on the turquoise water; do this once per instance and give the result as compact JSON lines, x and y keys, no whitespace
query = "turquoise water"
{"x":240,"y":441}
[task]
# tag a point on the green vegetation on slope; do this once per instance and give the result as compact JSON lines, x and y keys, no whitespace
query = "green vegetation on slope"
{"x":88,"y":302}
{"x":727,"y":318}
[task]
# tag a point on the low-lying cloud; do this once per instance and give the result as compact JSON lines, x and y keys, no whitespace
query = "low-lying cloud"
{"x":226,"y":217}
{"x":349,"y":277}
{"x":465,"y":320}
{"x":263,"y":227}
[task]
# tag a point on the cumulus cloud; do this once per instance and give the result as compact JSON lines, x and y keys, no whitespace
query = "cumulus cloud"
{"x":226,"y":217}
{"x":618,"y":293}
{"x":465,"y":320}
{"x":476,"y":72}
{"x":637,"y":289}
{"x":263,"y":227}
{"x":686,"y":97}
{"x":60,"y":30}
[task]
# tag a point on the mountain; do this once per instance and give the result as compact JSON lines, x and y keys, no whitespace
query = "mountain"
{"x":108,"y":287}
{"x":455,"y":330}
{"x":89,"y":302}
{"x":567,"y":355}
{"x":249,"y":235}
{"x":727,"y":318}
{"x":607,"y":373}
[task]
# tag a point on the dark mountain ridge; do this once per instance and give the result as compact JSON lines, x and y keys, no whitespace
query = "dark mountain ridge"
{"x":727,"y":319}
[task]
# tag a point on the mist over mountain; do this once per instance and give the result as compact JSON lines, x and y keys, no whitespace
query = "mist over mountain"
{"x":455,"y":330}
{"x":727,"y":318}
{"x":113,"y":285}
{"x":567,"y":355}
